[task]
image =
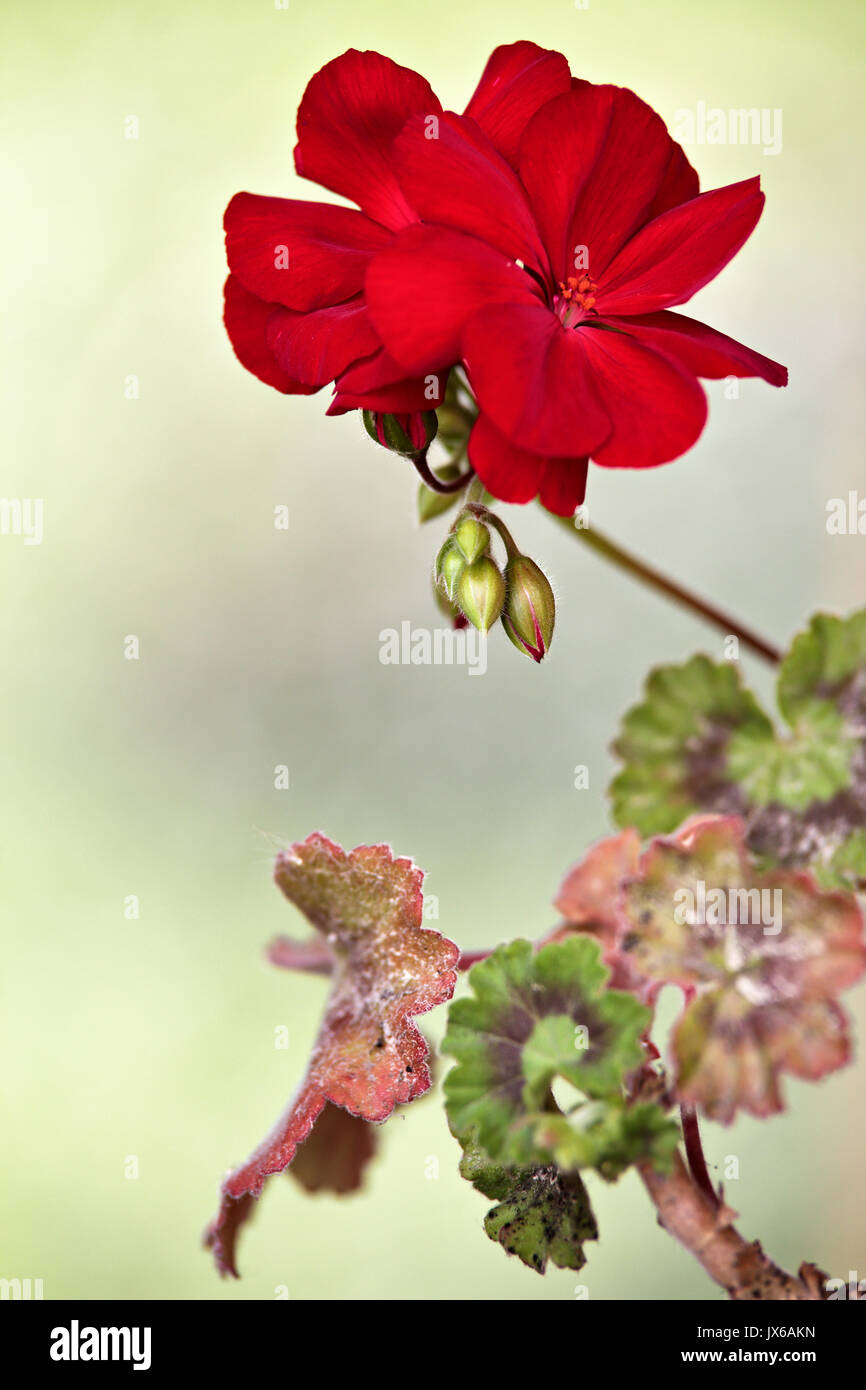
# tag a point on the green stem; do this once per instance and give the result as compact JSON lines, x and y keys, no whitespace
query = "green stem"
{"x":655,"y":580}
{"x":498,"y":525}
{"x":475,"y":495}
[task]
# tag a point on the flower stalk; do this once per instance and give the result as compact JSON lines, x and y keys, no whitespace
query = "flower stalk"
{"x":706,"y":1229}
{"x":435,"y":483}
{"x":653,"y":579}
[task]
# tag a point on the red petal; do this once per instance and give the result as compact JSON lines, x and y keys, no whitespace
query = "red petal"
{"x":594,"y":161}
{"x":681,"y":251}
{"x":423,"y":287}
{"x":509,"y":473}
{"x":379,"y":384}
{"x":327,"y":249}
{"x":514,"y":475}
{"x":318,"y":346}
{"x":700,"y":349}
{"x":531,"y":377}
{"x":563,"y":487}
{"x":657,"y":408}
{"x":458,"y":179}
{"x":518,"y":79}
{"x":246,"y":320}
{"x":351,"y":112}
{"x":679,"y":184}
{"x":371,"y":374}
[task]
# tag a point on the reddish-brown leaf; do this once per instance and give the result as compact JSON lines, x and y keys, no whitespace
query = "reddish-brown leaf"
{"x":368,"y":1056}
{"x":760,"y":956}
{"x":592,"y":902}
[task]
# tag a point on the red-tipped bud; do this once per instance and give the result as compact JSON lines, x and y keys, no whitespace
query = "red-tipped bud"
{"x":402,"y":434}
{"x":530,"y":608}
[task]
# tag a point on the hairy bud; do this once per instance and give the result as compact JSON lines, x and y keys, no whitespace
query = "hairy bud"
{"x":402,"y":434}
{"x":472,"y":537}
{"x":481,"y":592}
{"x":530,"y":608}
{"x":450,"y":564}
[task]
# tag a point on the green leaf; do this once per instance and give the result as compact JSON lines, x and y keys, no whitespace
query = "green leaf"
{"x":700,"y":742}
{"x":825,"y":663}
{"x":673,"y":743}
{"x":536,"y":1017}
{"x":609,"y":1136}
{"x":541,"y":1214}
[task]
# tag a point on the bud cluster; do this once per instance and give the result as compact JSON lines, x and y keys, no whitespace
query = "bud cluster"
{"x":469,"y":579}
{"x":470,"y":586}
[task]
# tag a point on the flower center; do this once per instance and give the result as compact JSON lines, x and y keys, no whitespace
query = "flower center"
{"x":576,"y":300}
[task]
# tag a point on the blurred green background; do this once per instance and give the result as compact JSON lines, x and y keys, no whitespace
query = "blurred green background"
{"x":154,"y":1037}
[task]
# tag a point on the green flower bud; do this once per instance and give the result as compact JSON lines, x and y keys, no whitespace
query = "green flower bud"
{"x":472,"y":536}
{"x":402,"y":434}
{"x":481,"y":593}
{"x":449,"y":567}
{"x":530,"y":607}
{"x":447,"y":608}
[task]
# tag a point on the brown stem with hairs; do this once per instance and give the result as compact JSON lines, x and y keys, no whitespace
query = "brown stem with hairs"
{"x":706,"y":1229}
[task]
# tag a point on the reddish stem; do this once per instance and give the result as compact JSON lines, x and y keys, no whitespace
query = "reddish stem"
{"x":695,"y":1153}
{"x":436,"y":484}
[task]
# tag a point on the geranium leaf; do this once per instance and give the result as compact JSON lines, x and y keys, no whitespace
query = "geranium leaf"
{"x":537,"y":1016}
{"x":368,"y":1056}
{"x":334,"y":1155}
{"x":674,"y":745}
{"x":761,"y":956}
{"x":609,"y":1137}
{"x":591,"y":899}
{"x":541,"y":1213}
{"x":590,"y":895}
{"x":699,"y":742}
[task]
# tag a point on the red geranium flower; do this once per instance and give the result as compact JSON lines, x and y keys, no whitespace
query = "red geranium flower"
{"x":552,"y":284}
{"x":294,"y":304}
{"x":539,"y":240}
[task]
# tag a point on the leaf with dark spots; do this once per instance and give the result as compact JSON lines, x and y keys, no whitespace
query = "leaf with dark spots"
{"x":541,"y":1214}
{"x":368,"y":1056}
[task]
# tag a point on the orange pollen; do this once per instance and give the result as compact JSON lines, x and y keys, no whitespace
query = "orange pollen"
{"x":580,"y":292}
